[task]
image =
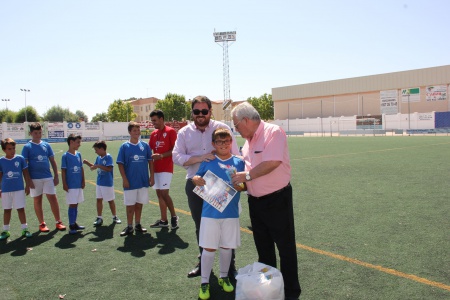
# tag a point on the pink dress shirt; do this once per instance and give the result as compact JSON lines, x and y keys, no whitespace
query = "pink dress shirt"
{"x":269,"y":143}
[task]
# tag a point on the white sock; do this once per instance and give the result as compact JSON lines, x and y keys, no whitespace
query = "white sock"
{"x":224,"y":260}
{"x":25,"y":225}
{"x":6,"y":227}
{"x":207,"y":264}
{"x":100,"y":217}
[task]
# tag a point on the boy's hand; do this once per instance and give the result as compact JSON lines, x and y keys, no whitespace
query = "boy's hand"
{"x":86,"y":162}
{"x":65,"y":187}
{"x":125,"y":183}
{"x":27,"y":190}
{"x":199,"y":181}
{"x":240,"y":187}
{"x":31,"y":184}
{"x":157,"y":156}
{"x":151,"y":180}
{"x":93,"y":167}
{"x":56,"y":180}
{"x":83,"y":185}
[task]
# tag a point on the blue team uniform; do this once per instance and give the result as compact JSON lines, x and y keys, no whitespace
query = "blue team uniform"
{"x":73,"y":165}
{"x":220,"y":167}
{"x":12,"y":170}
{"x":38,"y":156}
{"x":134,"y":158}
{"x":105,"y":178}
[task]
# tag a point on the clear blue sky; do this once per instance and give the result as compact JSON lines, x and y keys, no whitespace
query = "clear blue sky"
{"x":85,"y":54}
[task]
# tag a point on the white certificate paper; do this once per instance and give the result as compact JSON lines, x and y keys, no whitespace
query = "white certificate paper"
{"x":216,"y":191}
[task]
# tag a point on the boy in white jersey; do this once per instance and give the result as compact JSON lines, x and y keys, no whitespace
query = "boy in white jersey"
{"x":219,"y":230}
{"x":12,"y":168}
{"x":39,"y":156}
{"x":105,"y":181}
{"x":135,"y":160}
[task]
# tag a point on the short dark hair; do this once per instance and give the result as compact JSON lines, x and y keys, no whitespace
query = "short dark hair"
{"x":220,"y":133}
{"x":157,"y":112}
{"x":133,"y":124}
{"x":73,"y":137}
{"x":100,"y":145}
{"x":35,"y":126}
{"x":8,"y":141}
{"x":200,"y":99}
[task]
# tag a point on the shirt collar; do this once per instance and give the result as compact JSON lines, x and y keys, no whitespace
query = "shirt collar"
{"x":258,"y":130}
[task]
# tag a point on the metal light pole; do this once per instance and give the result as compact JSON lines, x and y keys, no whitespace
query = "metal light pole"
{"x":409,"y":116}
{"x":25,"y":91}
{"x":222,"y":38}
{"x":6,"y":102}
{"x":288,"y":119}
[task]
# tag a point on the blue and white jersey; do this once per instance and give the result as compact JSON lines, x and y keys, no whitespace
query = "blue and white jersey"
{"x":105,"y":178}
{"x":12,"y":173}
{"x":222,"y":169}
{"x":37,"y":156}
{"x":73,"y":165}
{"x":134,"y":158}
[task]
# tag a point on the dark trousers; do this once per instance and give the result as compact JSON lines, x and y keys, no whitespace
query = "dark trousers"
{"x":196,"y":206}
{"x":272,"y":219}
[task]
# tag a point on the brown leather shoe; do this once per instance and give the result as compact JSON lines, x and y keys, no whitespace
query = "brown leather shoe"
{"x":197,"y":271}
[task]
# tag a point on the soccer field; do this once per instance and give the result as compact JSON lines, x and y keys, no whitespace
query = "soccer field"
{"x":372,"y":222}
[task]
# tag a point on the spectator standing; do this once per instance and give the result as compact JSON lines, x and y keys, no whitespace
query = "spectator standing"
{"x":162,"y":140}
{"x":267,"y":175}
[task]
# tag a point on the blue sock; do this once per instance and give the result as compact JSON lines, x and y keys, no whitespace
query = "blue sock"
{"x":72,"y":215}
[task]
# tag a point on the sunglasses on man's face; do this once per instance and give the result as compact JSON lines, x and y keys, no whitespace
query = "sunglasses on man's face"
{"x":198,"y":111}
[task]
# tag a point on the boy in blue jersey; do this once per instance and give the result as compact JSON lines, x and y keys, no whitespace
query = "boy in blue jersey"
{"x":219,"y":230}
{"x":73,"y":180}
{"x":135,"y":161}
{"x":12,"y":168}
{"x":39,"y":156}
{"x":105,"y":181}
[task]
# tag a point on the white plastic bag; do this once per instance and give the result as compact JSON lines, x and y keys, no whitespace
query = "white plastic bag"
{"x":259,"y":282}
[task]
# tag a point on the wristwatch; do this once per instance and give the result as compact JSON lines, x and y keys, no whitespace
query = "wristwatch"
{"x":247,"y":176}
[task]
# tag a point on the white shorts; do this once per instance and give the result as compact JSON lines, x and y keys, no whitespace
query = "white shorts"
{"x":131,"y":197}
{"x":74,"y":196}
{"x":105,"y":192}
{"x":43,"y":186}
{"x":223,"y":233}
{"x":14,"y":199}
{"x":162,"y":181}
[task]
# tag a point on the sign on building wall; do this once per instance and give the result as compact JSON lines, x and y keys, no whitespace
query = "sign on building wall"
{"x":436,"y":93}
{"x":425,"y":116}
{"x":55,"y":130}
{"x":411,"y":95}
{"x":15,"y":131}
{"x":369,"y":122}
{"x":389,"y":102}
{"x":92,"y":126}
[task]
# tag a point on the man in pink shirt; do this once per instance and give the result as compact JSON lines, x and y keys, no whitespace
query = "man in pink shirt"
{"x":267,"y":175}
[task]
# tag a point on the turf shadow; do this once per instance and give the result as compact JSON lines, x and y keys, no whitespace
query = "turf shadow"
{"x":169,"y":241}
{"x":68,"y":240}
{"x":137,"y":244}
{"x":22,"y":245}
{"x":102,"y":233}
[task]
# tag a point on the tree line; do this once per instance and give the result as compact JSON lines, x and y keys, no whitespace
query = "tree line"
{"x":175,"y":108}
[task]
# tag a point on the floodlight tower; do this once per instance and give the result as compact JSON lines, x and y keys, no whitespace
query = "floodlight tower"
{"x":223,"y":38}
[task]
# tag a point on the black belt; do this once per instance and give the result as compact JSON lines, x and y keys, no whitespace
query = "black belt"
{"x":271,"y":194}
